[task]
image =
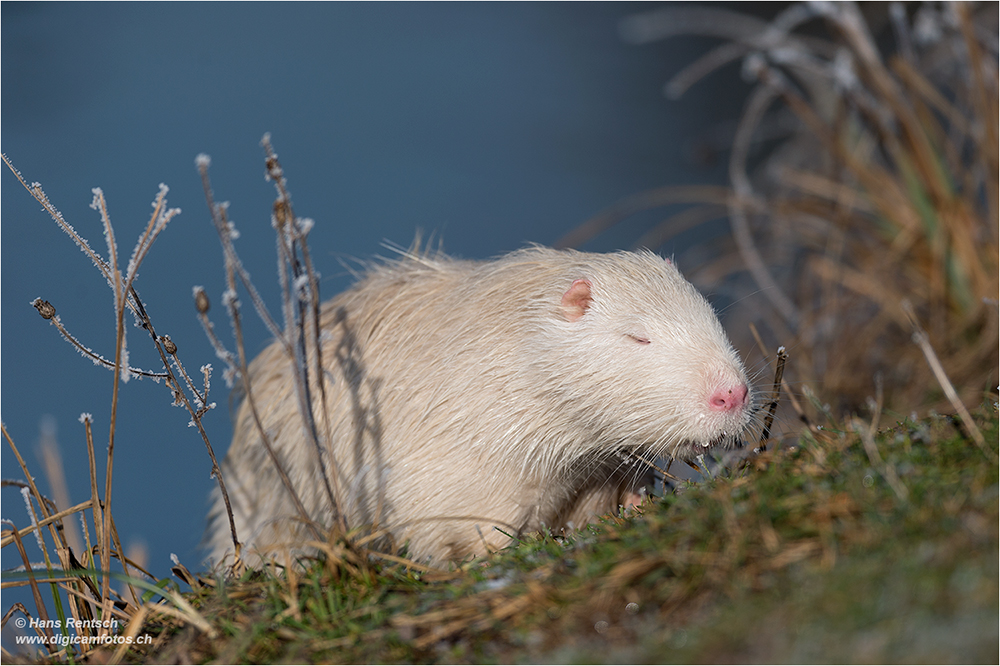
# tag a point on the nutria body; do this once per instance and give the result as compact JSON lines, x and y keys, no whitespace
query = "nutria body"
{"x":464,"y":396}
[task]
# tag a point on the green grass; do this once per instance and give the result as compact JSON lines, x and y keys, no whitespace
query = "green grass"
{"x":810,"y":556}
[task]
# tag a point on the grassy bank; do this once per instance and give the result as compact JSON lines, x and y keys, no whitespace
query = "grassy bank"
{"x":832,"y":550}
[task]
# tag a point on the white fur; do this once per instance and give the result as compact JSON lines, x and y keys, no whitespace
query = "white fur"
{"x":462,"y":389}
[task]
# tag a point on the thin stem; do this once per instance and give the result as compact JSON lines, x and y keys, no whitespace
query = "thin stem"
{"x":920,"y":337}
{"x":288,"y":226}
{"x":775,"y":395}
{"x":42,"y":306}
{"x":233,"y":266}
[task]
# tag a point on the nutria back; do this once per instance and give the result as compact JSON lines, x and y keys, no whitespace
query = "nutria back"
{"x":463,"y":396}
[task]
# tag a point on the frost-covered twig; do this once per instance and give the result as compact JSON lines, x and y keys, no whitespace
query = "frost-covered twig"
{"x":227,"y":234}
{"x":35,"y":189}
{"x":292,"y":233}
{"x":126,"y":296}
{"x":200,"y":397}
{"x":234,"y":269}
{"x":48,"y":311}
{"x":202,"y":305}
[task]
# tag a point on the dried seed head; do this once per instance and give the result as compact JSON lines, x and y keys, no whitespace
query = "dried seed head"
{"x":280,"y":214}
{"x":168,"y":344}
{"x":201,"y":301}
{"x":46,"y":309}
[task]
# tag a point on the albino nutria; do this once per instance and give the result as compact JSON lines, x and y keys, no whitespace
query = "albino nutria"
{"x":463,"y":396}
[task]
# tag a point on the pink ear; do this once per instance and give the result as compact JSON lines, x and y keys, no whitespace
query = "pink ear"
{"x":576,"y":300}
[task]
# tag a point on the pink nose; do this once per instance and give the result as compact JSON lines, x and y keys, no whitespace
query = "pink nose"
{"x":727,"y":399}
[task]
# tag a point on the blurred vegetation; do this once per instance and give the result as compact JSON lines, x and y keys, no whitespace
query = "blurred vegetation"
{"x":864,"y":175}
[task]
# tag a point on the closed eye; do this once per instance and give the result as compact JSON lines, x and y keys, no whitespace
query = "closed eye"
{"x":638,"y":338}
